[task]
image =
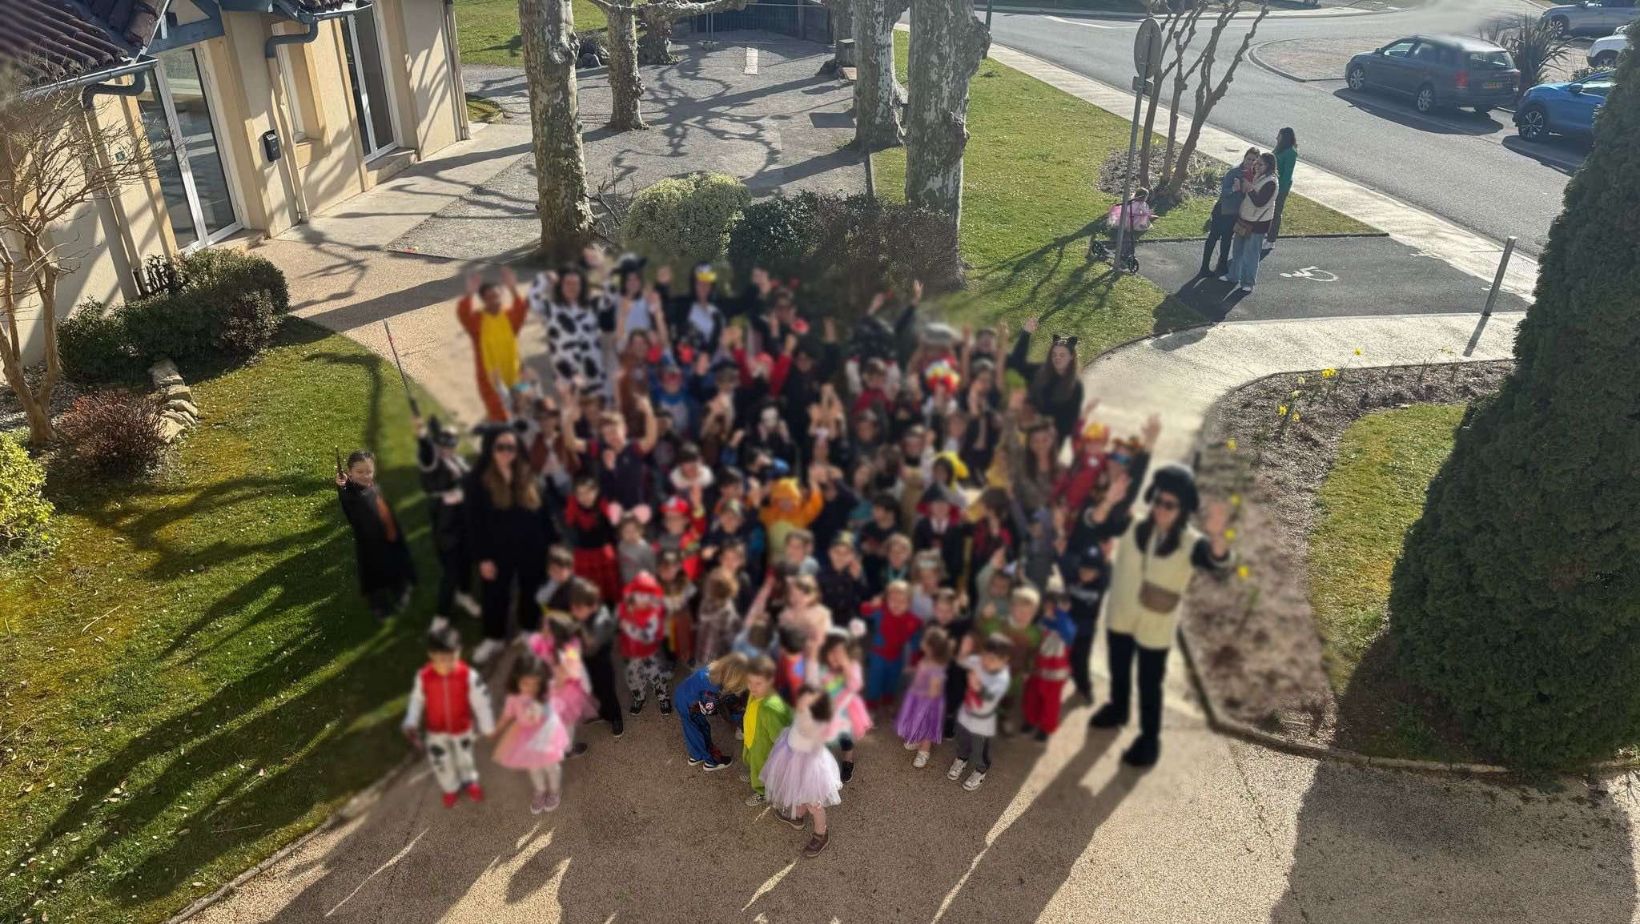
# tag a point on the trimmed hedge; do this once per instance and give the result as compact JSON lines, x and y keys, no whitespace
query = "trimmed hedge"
{"x":25,"y":514}
{"x":227,"y":309}
{"x":846,"y":249}
{"x":1517,"y":596}
{"x":683,"y":221}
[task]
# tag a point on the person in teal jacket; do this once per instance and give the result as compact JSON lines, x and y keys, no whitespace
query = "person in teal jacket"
{"x":1286,"y":159}
{"x":767,"y":715}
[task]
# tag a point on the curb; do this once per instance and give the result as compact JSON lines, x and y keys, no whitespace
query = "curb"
{"x":1251,"y":734}
{"x":350,"y":810}
{"x":1122,"y":16}
{"x":1257,"y":59}
{"x":1325,"y":236}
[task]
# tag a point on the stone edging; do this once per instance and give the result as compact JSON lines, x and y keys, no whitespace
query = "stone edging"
{"x":1288,"y":745}
{"x":352,"y":809}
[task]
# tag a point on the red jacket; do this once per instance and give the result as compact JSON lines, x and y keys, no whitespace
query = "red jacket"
{"x":449,"y":703}
{"x":642,"y":627}
{"x":890,"y":631}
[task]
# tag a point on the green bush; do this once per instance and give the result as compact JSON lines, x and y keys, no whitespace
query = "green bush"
{"x":845,"y":249}
{"x":685,"y":220}
{"x":25,"y":515}
{"x":227,"y":309}
{"x":1517,"y":595}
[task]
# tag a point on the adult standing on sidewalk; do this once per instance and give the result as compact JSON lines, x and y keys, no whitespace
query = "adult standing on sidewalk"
{"x":507,"y":537}
{"x":1258,"y":207}
{"x":1222,"y":225}
{"x":1286,"y":158}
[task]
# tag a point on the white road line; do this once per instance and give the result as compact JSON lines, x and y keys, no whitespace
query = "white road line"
{"x":1089,"y":25}
{"x":751,"y":60}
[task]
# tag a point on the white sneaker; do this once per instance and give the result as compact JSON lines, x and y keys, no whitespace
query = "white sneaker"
{"x":488,"y":649}
{"x":1247,"y":288}
{"x":1225,"y":278}
{"x":468,"y":604}
{"x":921,"y":760}
{"x":973,"y":781}
{"x":912,"y":745}
{"x":756,"y":799}
{"x":957,"y":766}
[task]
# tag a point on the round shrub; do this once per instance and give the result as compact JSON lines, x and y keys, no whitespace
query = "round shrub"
{"x":112,"y":432}
{"x":95,"y":347}
{"x":780,"y":234}
{"x":25,"y":514}
{"x":685,"y":220}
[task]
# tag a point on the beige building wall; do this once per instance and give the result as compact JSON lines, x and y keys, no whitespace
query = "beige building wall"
{"x":323,"y":166}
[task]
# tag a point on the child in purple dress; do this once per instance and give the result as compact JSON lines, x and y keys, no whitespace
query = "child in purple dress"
{"x":800,"y":776}
{"x":532,"y":735}
{"x":922,"y":713}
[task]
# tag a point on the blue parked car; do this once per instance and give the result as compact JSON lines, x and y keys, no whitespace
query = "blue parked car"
{"x":1561,"y":108}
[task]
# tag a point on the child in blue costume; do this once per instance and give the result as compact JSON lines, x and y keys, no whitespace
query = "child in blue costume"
{"x":700,"y":697}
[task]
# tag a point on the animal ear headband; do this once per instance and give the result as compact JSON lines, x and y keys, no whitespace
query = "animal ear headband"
{"x":1069,"y":342}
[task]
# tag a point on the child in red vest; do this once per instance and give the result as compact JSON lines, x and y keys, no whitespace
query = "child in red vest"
{"x":449,"y":699}
{"x":643,"y":627}
{"x":1045,"y":688}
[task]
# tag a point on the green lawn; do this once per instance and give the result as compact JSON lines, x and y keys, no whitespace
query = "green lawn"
{"x":192,"y":680}
{"x":1030,"y":204}
{"x":489,"y":29}
{"x":1373,"y":494}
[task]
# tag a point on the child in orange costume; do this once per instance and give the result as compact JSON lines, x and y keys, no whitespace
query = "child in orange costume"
{"x":790,"y":507}
{"x":494,"y":332}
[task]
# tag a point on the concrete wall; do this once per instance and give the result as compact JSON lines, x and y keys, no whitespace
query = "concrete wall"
{"x":103,"y":242}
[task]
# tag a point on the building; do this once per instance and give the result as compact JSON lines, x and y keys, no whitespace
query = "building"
{"x":270,"y":110}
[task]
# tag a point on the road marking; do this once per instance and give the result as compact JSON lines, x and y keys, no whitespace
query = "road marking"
{"x":1312,"y":273}
{"x":751,"y":60}
{"x":1085,"y":23}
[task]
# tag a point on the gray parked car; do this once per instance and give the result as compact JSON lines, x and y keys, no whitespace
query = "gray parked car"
{"x":1591,"y":17}
{"x":1438,"y":70}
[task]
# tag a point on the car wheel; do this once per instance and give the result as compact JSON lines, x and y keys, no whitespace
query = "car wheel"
{"x":1605,"y":59}
{"x":1357,"y":78}
{"x":1562,"y":27}
{"x":1425,"y":101}
{"x":1532,"y":123}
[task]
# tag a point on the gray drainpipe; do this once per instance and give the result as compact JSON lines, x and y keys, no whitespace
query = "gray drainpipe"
{"x":139,"y":83}
{"x":271,"y":48}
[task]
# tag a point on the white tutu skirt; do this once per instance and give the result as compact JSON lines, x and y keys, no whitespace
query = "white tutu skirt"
{"x":792,"y":778}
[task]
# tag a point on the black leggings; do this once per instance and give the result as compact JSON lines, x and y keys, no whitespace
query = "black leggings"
{"x":601,"y":671}
{"x":499,"y":600}
{"x":1152,"y":671}
{"x":455,"y":576}
{"x":1220,"y":231}
{"x":1081,"y":654}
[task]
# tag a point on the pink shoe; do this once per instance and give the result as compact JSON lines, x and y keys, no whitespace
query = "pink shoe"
{"x":553,"y":800}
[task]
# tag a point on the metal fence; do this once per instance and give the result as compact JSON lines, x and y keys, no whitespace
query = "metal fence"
{"x":804,"y":20}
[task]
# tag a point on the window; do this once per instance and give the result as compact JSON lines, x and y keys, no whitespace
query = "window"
{"x":371,"y":97}
{"x":1489,"y":61}
{"x":294,"y":101}
{"x":1427,"y":53}
{"x":193,"y":176}
{"x":1399,"y":49}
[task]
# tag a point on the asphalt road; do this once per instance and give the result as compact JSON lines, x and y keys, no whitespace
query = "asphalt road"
{"x":1470,"y":169}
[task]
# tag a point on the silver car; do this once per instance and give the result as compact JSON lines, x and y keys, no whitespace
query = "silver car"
{"x":1591,"y":17}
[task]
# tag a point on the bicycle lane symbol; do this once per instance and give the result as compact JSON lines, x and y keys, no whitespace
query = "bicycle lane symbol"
{"x":1312,"y":273}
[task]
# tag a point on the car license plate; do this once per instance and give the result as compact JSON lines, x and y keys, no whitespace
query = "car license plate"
{"x":1493,"y":85}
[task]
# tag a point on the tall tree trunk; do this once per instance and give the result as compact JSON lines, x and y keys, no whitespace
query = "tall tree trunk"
{"x":625,"y":82}
{"x":35,"y":411}
{"x":947,"y":45}
{"x":555,"y":127}
{"x":876,"y":92}
{"x":842,"y":27}
{"x":1146,"y":136}
{"x":655,"y":45}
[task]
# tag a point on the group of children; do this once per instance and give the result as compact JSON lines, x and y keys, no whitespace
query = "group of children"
{"x":705,"y":487}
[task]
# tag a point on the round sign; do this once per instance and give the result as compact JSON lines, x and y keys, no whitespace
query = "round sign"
{"x":1147,"y":48}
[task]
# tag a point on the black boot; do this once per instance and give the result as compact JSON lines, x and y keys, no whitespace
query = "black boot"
{"x":1109,"y":715}
{"x":1144,"y":752}
{"x":846,"y":770}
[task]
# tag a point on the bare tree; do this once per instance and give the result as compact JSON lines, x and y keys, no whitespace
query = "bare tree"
{"x":947,"y":45}
{"x":1178,"y":28}
{"x":56,"y":155}
{"x":1210,"y":87}
{"x":877,"y":95}
{"x":658,"y":16}
{"x":842,"y":27}
{"x":550,"y":51}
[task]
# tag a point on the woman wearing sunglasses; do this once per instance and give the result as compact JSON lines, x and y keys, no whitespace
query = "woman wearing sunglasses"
{"x":507,"y":536}
{"x":1155,"y":560}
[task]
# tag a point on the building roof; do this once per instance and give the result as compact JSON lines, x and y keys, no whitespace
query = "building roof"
{"x":61,"y":39}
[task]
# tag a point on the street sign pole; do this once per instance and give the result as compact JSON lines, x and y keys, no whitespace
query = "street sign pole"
{"x":988,"y":14}
{"x":1497,"y":281}
{"x":1147,"y":56}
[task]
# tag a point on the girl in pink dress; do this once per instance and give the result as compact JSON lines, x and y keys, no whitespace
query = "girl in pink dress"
{"x":839,"y":675}
{"x":572,"y":688}
{"x":532,"y":736}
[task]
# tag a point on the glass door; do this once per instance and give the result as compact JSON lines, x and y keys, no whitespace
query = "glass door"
{"x":361,"y":40}
{"x":193,"y":176}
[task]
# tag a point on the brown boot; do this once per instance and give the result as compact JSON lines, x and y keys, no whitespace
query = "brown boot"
{"x":817,"y":843}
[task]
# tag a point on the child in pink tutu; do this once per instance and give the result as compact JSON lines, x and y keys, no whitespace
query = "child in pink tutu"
{"x":839,"y":675}
{"x":532,"y":735}
{"x":801,"y":777}
{"x":559,"y":644}
{"x":922,"y":713}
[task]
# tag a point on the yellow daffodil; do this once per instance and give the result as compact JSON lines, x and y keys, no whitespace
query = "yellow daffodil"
{"x":1230,"y":444}
{"x":1235,"y":500}
{"x":1328,"y":373}
{"x":1242,"y":572}
{"x":1281,"y":410}
{"x":1296,"y":417}
{"x":1358,"y":351}
{"x":1230,"y":535}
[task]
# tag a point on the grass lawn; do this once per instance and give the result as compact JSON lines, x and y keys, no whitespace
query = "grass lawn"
{"x":192,"y":680}
{"x":1030,"y":204}
{"x":1373,"y":494}
{"x":488,"y":29}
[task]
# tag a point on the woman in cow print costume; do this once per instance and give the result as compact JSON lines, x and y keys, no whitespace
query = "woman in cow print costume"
{"x":576,"y":319}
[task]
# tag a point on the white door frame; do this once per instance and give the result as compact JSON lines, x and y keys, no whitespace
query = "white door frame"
{"x":204,"y":236}
{"x":375,"y":148}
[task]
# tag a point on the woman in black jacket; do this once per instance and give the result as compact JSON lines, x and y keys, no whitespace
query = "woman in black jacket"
{"x":507,"y":536}
{"x":1054,"y":387}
